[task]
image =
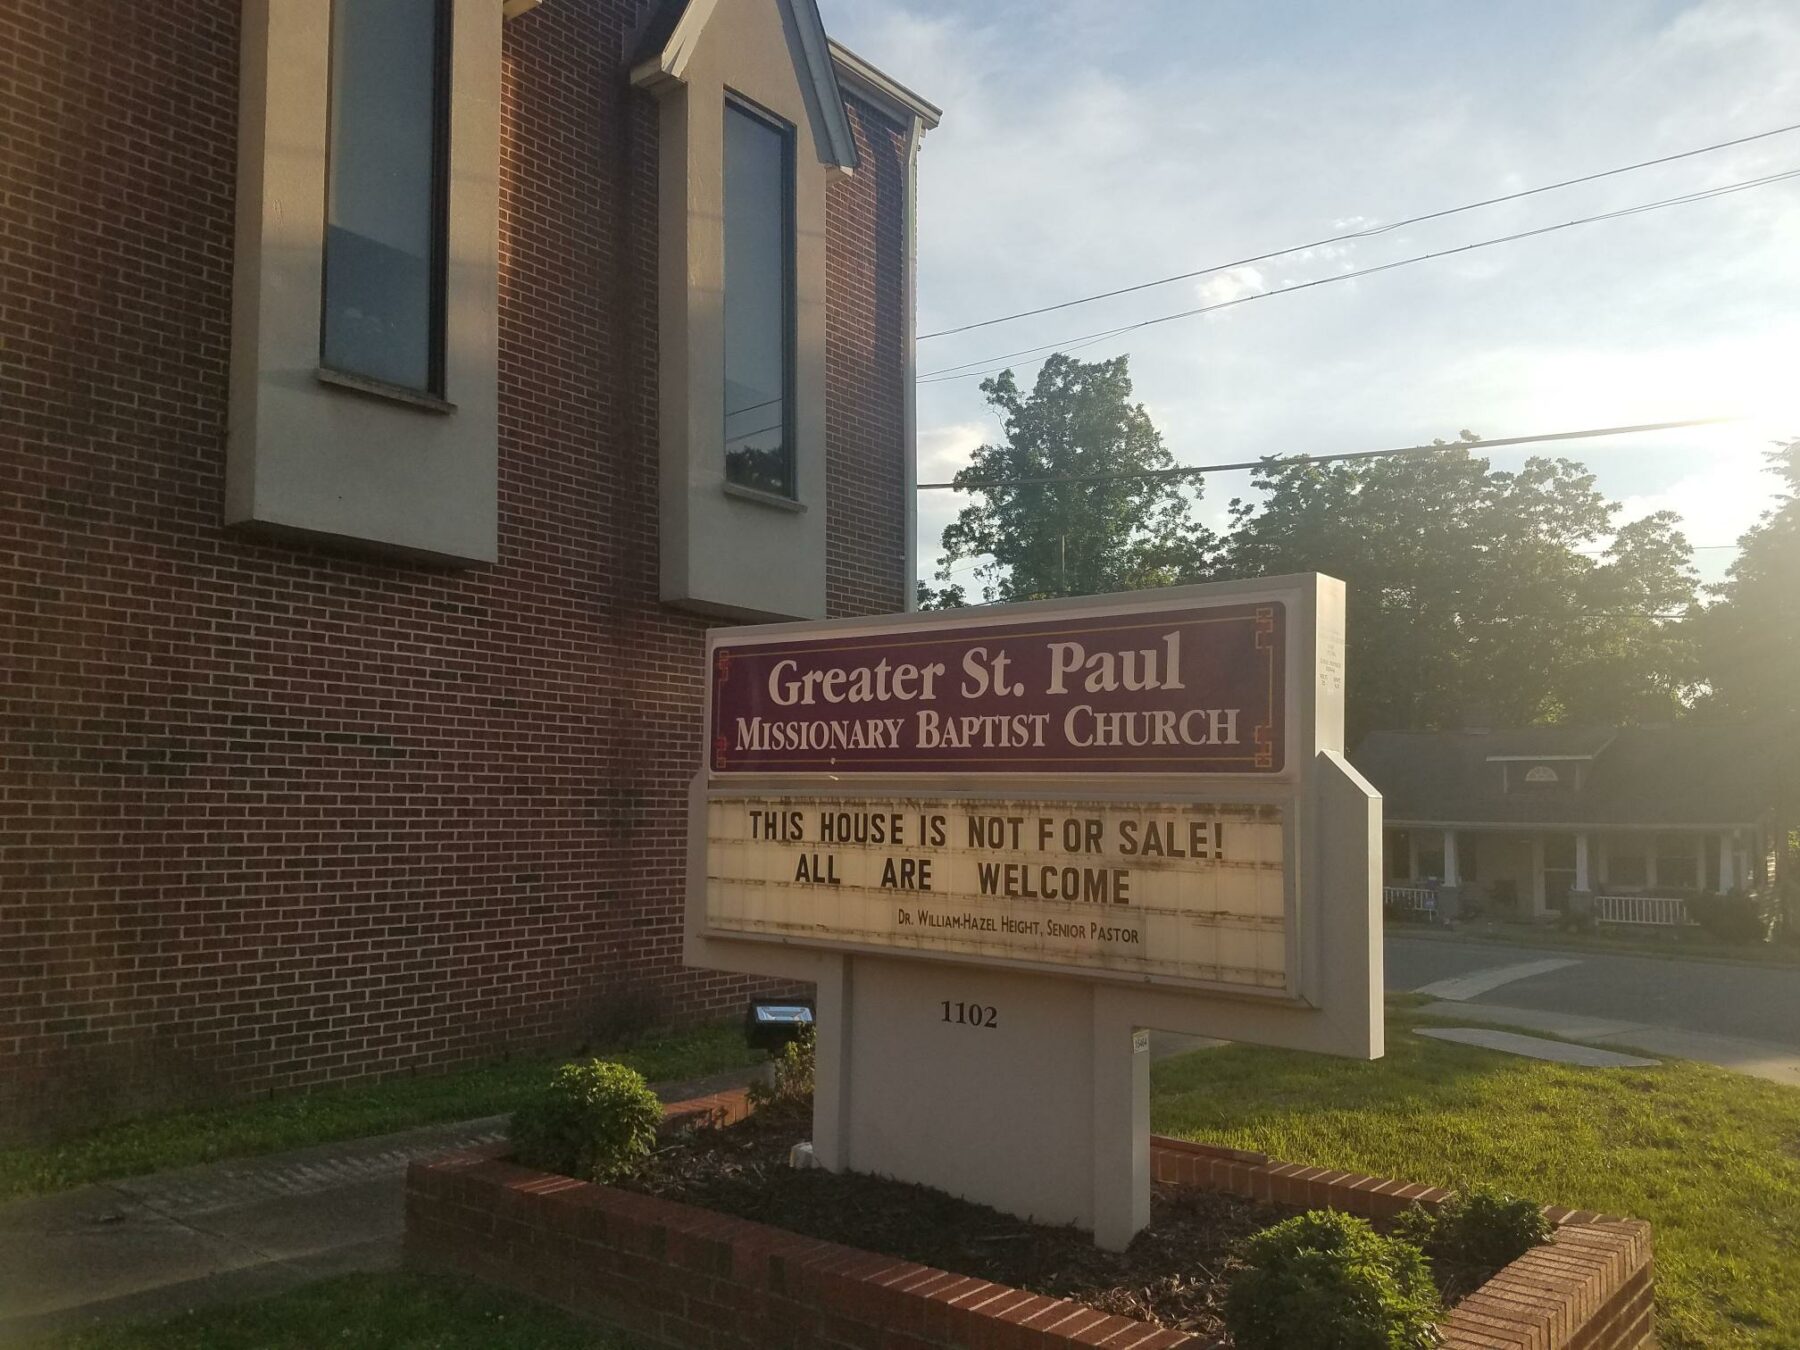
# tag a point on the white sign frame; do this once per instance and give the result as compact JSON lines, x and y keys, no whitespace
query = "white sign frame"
{"x":1331,"y":1002}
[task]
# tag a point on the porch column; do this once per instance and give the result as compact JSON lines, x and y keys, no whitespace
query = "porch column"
{"x":1581,"y":895}
{"x":1727,"y":871}
{"x":1450,"y":892}
{"x":1537,"y":874}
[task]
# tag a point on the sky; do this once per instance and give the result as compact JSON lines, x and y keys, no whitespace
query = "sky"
{"x":1089,"y":145}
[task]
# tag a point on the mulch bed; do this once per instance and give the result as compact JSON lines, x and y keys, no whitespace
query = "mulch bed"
{"x":1174,"y":1274}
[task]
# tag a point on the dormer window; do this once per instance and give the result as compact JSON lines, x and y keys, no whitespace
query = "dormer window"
{"x":1519,"y":774}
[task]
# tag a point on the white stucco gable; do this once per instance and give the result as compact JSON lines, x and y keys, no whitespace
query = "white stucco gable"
{"x":669,"y":41}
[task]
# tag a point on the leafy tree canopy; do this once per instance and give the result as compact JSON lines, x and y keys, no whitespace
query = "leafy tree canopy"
{"x":941,"y":597}
{"x":1517,"y":596}
{"x":1476,"y":591}
{"x":1103,"y":529}
{"x":1751,"y":635}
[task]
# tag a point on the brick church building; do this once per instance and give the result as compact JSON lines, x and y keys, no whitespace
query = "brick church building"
{"x":392,"y":392}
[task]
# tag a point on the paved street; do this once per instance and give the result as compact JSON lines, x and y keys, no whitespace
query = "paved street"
{"x":1713,"y":998}
{"x":1741,"y":1017}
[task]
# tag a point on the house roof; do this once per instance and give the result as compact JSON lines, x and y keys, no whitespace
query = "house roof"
{"x":661,"y":52}
{"x":1689,"y":773}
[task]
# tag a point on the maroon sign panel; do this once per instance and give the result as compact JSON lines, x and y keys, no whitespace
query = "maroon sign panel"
{"x":1182,"y":690}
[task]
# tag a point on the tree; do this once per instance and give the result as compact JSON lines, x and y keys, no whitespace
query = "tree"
{"x":1514,"y":596}
{"x":1750,"y":638}
{"x":941,"y":597}
{"x":1469,"y":591}
{"x":1635,"y":664}
{"x":1096,"y":528}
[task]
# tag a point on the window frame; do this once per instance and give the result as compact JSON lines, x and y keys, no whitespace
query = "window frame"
{"x":432,"y":395}
{"x":787,"y":134}
{"x":1680,"y":849}
{"x":1633,"y":862}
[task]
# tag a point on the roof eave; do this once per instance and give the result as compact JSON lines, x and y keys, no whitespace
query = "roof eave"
{"x":881,"y":89}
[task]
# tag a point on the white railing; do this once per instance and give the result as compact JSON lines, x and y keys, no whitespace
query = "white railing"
{"x":1411,"y":900}
{"x":1657,"y":910}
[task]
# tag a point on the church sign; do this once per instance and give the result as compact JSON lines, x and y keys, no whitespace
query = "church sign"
{"x":1190,"y":690}
{"x":1004,"y":843}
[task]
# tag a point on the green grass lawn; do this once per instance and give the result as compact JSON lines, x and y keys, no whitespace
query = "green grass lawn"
{"x":360,"y":1312}
{"x":239,"y":1129}
{"x":1711,"y":1158}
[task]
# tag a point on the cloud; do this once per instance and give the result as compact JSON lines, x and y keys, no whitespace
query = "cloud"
{"x":1086,"y":147}
{"x":943,"y":449}
{"x":1716,"y":502}
{"x":946,"y":448}
{"x":1232,"y":284}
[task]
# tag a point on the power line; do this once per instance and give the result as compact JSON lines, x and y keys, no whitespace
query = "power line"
{"x":1586,"y":552}
{"x":963,"y":371}
{"x":1692,"y":548}
{"x":1275,"y":461}
{"x":1540,"y":616}
{"x":1361,"y":234}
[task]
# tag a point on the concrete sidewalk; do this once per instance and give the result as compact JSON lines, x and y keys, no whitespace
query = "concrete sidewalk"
{"x":1776,"y":1063}
{"x":223,"y":1231}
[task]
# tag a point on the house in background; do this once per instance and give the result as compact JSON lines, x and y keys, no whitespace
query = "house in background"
{"x":1632,"y":821}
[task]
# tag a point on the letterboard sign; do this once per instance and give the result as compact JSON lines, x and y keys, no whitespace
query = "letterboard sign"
{"x":1160,"y":890}
{"x":917,"y":786}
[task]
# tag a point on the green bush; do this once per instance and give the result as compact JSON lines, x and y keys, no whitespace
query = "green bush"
{"x":793,"y":1086}
{"x":1479,"y":1230}
{"x":1736,"y":918}
{"x":593,"y":1121}
{"x":1328,"y":1281}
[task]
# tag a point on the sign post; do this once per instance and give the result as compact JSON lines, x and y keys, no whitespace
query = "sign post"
{"x":1005,"y":842}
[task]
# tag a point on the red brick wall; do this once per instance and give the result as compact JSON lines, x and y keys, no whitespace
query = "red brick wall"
{"x":865,"y":354}
{"x":674,"y":1275}
{"x":1592,"y":1287}
{"x":274,"y":816}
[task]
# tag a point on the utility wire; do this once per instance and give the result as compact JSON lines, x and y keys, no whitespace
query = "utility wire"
{"x":964,"y":371}
{"x":1585,"y":552}
{"x":1363,"y":234}
{"x":1276,"y":461}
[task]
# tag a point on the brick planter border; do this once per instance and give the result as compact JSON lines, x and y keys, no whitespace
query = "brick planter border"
{"x":680,"y":1276}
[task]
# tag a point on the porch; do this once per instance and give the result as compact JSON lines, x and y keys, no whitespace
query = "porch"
{"x":1631,"y":876}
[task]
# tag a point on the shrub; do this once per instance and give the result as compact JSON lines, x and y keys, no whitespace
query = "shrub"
{"x":1787,"y":907}
{"x":1328,"y":1281}
{"x":1476,"y":1230}
{"x":793,"y":1086}
{"x":592,"y":1121}
{"x":1737,"y":917}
